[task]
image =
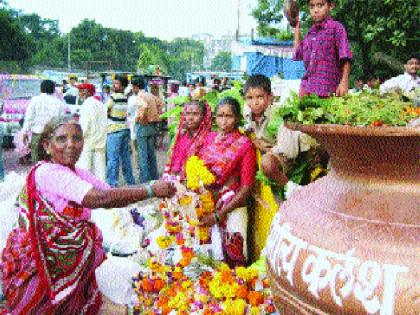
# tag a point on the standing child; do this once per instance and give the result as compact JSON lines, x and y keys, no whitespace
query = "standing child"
{"x":325,"y":52}
{"x":258,"y":99}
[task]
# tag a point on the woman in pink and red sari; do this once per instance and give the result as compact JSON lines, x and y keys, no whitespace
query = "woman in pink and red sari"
{"x":231,"y":157}
{"x":195,"y":124}
{"x":48,"y":264}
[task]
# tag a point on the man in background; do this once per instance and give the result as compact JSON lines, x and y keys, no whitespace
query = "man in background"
{"x":118,"y":139}
{"x":93,"y":120}
{"x":72,"y":92}
{"x":407,"y":81}
{"x":41,"y":110}
{"x":149,"y":108}
{"x":131,"y":116}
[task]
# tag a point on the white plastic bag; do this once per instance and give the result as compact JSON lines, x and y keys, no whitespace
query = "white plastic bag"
{"x":9,"y":191}
{"x":115,"y":279}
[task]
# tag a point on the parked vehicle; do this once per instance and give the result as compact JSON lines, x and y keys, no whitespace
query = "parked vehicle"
{"x":15,"y":94}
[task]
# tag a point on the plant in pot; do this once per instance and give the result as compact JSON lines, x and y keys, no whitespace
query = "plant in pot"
{"x":349,"y":242}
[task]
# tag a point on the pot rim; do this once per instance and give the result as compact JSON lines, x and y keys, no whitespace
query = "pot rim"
{"x":334,"y":129}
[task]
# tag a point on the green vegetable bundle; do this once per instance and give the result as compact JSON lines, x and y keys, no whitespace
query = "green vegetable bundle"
{"x":364,"y":109}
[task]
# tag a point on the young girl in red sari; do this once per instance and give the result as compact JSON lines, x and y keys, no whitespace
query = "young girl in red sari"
{"x":48,"y":264}
{"x":195,"y":124}
{"x":230,"y":156}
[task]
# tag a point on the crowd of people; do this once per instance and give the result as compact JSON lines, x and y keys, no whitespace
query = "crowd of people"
{"x":49,"y":260}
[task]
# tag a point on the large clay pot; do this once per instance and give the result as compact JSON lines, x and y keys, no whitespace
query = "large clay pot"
{"x":349,"y":243}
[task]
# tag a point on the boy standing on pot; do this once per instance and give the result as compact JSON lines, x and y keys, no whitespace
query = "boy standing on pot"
{"x":325,"y":52}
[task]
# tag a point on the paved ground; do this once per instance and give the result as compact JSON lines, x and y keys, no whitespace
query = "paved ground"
{"x":11,"y":162}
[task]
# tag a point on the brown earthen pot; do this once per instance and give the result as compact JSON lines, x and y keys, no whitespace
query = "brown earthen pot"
{"x":349,"y":243}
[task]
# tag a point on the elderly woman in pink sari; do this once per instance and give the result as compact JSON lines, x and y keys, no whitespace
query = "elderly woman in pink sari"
{"x":195,"y":124}
{"x":231,"y":157}
{"x":48,"y":264}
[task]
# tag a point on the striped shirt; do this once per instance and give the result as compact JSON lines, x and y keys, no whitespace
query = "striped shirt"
{"x":117,"y":106}
{"x":323,"y":50}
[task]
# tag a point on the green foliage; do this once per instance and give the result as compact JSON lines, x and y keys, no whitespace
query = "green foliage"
{"x":28,"y":39}
{"x":276,"y":188}
{"x":269,"y":15}
{"x":389,"y":26}
{"x":184,"y":55}
{"x":236,"y":93}
{"x":10,"y":67}
{"x":14,"y":42}
{"x":222,"y":61}
{"x":367,"y":108}
{"x":384,"y":26}
{"x":212,"y":98}
{"x":284,"y":35}
{"x":174,"y":112}
{"x":91,"y":42}
{"x":151,"y":54}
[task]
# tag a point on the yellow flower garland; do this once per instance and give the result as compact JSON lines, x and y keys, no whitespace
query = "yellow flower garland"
{"x":197,"y":173}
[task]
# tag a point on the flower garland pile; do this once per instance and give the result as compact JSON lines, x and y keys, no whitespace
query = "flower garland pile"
{"x":168,"y":290}
{"x":180,"y":278}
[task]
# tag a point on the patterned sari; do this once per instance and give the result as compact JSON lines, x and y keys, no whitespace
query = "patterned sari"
{"x":224,"y":155}
{"x":186,"y":146}
{"x":48,"y":264}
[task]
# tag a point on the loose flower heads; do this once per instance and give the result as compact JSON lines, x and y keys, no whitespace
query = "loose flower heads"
{"x":223,"y":291}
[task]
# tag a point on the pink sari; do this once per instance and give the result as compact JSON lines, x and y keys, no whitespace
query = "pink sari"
{"x":224,"y":155}
{"x":48,"y":264}
{"x":186,"y":146}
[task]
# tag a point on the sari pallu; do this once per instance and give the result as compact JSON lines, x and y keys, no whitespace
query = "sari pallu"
{"x":223,"y":156}
{"x":49,"y":261}
{"x":185,"y":147}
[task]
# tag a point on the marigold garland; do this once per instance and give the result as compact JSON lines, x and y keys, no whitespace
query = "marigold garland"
{"x":197,"y":173}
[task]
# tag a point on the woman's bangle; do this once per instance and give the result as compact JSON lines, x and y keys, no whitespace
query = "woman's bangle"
{"x":149,"y":190}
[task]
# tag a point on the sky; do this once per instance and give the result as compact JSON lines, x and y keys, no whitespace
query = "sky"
{"x":164,"y":19}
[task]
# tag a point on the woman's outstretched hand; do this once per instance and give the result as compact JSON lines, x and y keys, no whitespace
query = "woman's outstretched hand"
{"x":163,"y":189}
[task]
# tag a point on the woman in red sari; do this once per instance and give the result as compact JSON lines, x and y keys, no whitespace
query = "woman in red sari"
{"x":48,"y":264}
{"x":195,"y":124}
{"x":230,"y":156}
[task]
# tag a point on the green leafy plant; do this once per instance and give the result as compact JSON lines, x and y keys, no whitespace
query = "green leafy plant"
{"x":367,"y":108}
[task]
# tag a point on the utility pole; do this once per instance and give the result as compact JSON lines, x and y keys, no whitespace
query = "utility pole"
{"x":239,"y":16}
{"x":68,"y":53}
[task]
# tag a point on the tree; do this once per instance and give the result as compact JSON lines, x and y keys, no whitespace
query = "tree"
{"x":29,"y":39}
{"x":269,"y":14}
{"x":222,"y":61}
{"x":184,"y":55}
{"x":14,"y":42}
{"x":386,"y":26}
{"x":98,"y":43}
{"x":48,"y":47}
{"x":389,"y":27}
{"x":152,"y":54}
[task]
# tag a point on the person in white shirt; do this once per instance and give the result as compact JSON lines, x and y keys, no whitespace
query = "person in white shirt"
{"x":41,"y":110}
{"x":131,"y":116}
{"x":73,"y":90}
{"x":405,"y":82}
{"x":93,"y":120}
